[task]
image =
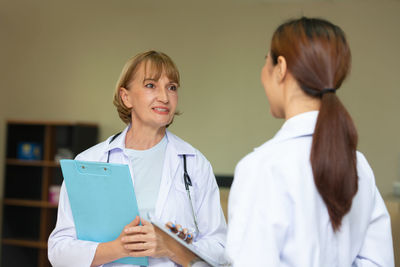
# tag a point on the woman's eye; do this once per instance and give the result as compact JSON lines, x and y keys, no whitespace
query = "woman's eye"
{"x":149,"y":85}
{"x":172,"y":87}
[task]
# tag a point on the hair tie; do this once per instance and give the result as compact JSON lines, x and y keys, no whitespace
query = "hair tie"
{"x":327,"y":90}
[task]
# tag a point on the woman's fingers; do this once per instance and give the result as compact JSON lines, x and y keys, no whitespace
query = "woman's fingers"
{"x":182,"y":233}
{"x":141,"y":233}
{"x":143,"y":253}
{"x":140,"y":229}
{"x":179,"y":228}
{"x":189,"y":238}
{"x":134,"y":238}
{"x":139,"y":246}
{"x":145,"y":222}
{"x":135,"y":230}
{"x":172,"y":227}
{"x":139,"y":237}
{"x":132,"y":225}
{"x":185,"y":231}
{"x":135,"y":222}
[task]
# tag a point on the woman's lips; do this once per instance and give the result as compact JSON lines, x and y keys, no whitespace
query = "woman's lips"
{"x":161,"y":110}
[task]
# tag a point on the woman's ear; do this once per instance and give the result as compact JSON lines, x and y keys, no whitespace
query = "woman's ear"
{"x":281,"y":68}
{"x":125,"y":97}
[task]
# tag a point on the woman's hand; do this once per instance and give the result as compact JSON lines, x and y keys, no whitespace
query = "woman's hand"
{"x":182,"y":233}
{"x":113,"y":250}
{"x":142,"y":240}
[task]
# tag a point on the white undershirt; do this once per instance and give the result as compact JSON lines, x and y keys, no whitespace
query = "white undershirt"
{"x":147,"y":166}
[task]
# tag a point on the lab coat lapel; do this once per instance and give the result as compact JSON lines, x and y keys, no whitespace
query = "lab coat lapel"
{"x":175,"y":148}
{"x":170,"y":168}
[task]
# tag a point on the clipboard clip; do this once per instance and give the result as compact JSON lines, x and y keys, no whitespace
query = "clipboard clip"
{"x":99,"y":169}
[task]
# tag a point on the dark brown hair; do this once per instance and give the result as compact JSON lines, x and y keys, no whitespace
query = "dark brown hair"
{"x":318,"y":56}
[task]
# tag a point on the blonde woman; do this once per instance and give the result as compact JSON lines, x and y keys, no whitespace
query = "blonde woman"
{"x":146,"y":98}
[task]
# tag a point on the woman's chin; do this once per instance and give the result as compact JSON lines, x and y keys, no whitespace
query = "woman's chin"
{"x":274,"y":114}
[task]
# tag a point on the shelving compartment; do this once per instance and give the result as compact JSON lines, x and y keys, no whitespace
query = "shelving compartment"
{"x":16,"y":256}
{"x":18,"y":133}
{"x":56,"y":176}
{"x":23,"y":182}
{"x":75,"y":138}
{"x":20,"y":222}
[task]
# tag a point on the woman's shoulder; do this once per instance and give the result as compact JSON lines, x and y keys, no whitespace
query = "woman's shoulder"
{"x":257,"y":161}
{"x":94,"y":153}
{"x":271,"y":152}
{"x":181,"y":146}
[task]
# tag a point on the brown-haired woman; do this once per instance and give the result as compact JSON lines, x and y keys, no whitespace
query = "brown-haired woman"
{"x":307,"y":197}
{"x":172,"y":180}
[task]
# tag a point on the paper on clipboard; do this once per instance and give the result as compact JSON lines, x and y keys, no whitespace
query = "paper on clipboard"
{"x":190,"y":247}
{"x":102,"y":200}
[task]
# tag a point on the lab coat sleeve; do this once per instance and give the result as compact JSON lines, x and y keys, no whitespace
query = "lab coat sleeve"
{"x":211,"y":220}
{"x":377,"y":248}
{"x":259,"y":216}
{"x":64,"y":249}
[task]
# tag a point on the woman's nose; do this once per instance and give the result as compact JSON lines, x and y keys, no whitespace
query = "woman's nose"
{"x":162,"y":95}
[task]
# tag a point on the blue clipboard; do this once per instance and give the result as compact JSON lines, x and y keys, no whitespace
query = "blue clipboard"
{"x":102,"y":200}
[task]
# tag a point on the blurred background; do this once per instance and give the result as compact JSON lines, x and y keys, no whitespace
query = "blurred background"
{"x":60,"y":60}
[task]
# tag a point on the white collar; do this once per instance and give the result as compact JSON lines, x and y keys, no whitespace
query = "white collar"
{"x":180,"y":146}
{"x":300,"y":125}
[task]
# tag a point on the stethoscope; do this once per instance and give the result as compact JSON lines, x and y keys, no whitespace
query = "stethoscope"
{"x":186,"y":179}
{"x":188,"y":182}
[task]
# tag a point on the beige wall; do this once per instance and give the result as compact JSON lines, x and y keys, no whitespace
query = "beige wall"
{"x":59,"y":61}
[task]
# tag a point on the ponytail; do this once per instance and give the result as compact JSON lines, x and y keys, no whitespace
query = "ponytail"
{"x":333,"y":158}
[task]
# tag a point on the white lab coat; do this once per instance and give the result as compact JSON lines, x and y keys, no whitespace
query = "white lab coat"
{"x":172,"y":204}
{"x":278,"y":218}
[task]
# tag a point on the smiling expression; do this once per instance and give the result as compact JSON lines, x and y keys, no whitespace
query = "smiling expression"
{"x":152,"y":101}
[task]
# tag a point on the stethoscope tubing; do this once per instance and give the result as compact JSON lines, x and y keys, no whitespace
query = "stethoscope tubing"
{"x":188,"y":182}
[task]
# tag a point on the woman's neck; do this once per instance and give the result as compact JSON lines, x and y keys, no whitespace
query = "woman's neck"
{"x":297,"y":102}
{"x":142,"y":138}
{"x":299,"y":107}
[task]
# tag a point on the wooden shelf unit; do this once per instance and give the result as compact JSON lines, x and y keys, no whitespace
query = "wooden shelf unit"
{"x":28,"y":216}
{"x":24,"y":243}
{"x":28,"y":203}
{"x":39,"y":163}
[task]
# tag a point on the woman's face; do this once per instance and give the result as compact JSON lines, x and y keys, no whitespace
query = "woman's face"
{"x":271,"y":87}
{"x":153,"y":102}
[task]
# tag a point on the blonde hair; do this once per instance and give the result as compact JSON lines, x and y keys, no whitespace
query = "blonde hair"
{"x":159,"y":63}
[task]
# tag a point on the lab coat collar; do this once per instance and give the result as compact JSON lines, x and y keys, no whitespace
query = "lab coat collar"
{"x":180,"y":146}
{"x":297,"y":126}
{"x":119,"y":142}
